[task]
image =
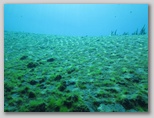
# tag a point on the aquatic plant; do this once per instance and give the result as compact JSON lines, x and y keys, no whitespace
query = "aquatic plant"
{"x":64,"y":109}
{"x":64,"y":103}
{"x":24,"y":108}
{"x":32,"y":65}
{"x":80,"y":107}
{"x":125,"y":33}
{"x":111,"y":108}
{"x":136,"y":32}
{"x":24,"y":57}
{"x":31,"y":94}
{"x":50,"y":60}
{"x":125,"y":70}
{"x":100,"y":93}
{"x":70,"y":70}
{"x":58,"y":77}
{"x":142,"y":31}
{"x":24,"y":90}
{"x":62,"y":86}
{"x":113,"y":79}
{"x":121,"y":97}
{"x":114,"y":33}
{"x":54,"y":104}
{"x":81,"y":84}
{"x":108,"y":83}
{"x":37,"y":106}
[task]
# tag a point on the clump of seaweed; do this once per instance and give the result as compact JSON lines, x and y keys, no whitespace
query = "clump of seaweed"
{"x":23,"y":57}
{"x":32,"y":65}
{"x":114,"y":33}
{"x":136,"y":32}
{"x":125,"y":33}
{"x":142,"y":31}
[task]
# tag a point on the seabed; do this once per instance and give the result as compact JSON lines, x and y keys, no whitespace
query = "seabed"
{"x":49,"y":73}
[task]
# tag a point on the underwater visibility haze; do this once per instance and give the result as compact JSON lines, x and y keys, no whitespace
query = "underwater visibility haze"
{"x":75,"y":19}
{"x":76,"y":58}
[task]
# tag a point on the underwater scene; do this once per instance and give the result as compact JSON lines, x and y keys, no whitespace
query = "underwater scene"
{"x":75,"y":58}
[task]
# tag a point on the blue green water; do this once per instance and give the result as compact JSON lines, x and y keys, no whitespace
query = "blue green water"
{"x":75,"y":19}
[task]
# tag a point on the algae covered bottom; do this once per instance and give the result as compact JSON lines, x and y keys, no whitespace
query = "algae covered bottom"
{"x":49,"y":73}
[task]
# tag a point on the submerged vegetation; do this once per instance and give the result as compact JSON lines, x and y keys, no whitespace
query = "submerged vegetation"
{"x":141,"y":32}
{"x":44,"y":73}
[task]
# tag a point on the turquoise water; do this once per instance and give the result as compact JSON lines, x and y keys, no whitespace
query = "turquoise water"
{"x":76,"y":58}
{"x":75,"y":19}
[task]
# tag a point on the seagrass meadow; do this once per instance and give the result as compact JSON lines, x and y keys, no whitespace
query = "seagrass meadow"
{"x":51,"y":73}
